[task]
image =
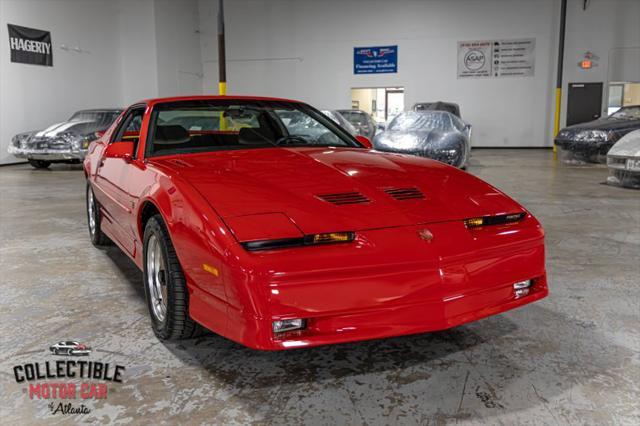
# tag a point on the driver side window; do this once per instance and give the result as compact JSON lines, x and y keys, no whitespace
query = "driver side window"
{"x":129,"y":129}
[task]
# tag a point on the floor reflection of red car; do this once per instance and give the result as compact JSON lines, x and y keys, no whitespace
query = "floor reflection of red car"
{"x":278,"y":237}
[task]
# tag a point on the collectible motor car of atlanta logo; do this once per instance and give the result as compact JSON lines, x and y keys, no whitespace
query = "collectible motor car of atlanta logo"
{"x":67,"y":379}
{"x":70,"y":347}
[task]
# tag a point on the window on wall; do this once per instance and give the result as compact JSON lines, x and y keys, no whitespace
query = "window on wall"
{"x":616,"y":90}
{"x":382,"y":103}
{"x":622,"y":94}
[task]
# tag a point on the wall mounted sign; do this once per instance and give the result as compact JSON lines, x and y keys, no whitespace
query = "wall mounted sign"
{"x":30,"y":46}
{"x":589,"y":61}
{"x":375,"y":60}
{"x":496,"y":58}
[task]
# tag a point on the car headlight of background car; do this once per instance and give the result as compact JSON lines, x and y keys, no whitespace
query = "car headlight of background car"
{"x":78,"y":142}
{"x":20,"y":139}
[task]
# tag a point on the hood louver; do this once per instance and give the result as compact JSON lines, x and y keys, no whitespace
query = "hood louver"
{"x":343,"y":198}
{"x":402,"y":194}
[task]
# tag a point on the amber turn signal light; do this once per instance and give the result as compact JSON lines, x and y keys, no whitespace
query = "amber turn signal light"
{"x":333,"y":237}
{"x":501,"y":219}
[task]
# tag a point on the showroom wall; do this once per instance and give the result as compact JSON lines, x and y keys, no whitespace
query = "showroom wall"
{"x":117,"y":52}
{"x":609,"y":29}
{"x":304,"y":50}
{"x":178,"y":47}
{"x":35,"y":96}
{"x":105,"y":54}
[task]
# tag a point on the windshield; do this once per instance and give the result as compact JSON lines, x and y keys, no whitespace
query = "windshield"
{"x":627,"y":113}
{"x":437,"y":106}
{"x":410,"y":121}
{"x":103,"y":119}
{"x":341,"y":121}
{"x":218,"y":125}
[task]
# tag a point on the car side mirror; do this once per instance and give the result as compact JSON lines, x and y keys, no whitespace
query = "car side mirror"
{"x":364,"y":141}
{"x":120,"y":149}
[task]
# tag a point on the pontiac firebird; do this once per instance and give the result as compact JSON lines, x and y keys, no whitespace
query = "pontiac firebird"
{"x":279,"y":238}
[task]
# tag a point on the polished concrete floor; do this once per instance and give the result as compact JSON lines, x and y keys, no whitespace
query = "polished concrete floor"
{"x":573,"y":358}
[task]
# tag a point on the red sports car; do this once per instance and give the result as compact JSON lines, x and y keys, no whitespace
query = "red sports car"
{"x":265,"y":222}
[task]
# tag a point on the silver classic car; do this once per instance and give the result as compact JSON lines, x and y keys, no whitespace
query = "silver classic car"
{"x":65,"y":142}
{"x":623,"y":160}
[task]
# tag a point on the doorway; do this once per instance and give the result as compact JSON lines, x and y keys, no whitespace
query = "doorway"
{"x":382,"y":103}
{"x":622,"y":93}
{"x":584,"y":102}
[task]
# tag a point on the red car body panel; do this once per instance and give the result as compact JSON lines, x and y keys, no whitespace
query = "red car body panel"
{"x":387,"y":282}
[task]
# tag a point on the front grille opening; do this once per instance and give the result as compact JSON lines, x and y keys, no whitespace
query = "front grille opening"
{"x":401,"y":194}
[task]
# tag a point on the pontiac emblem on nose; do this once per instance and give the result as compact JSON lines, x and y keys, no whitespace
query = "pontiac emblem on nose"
{"x":425,"y":234}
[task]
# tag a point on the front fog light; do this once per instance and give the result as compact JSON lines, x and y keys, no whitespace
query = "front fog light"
{"x":521,"y":288}
{"x":289,"y":325}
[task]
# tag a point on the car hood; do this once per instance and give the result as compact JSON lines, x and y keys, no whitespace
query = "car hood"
{"x":310,"y":186}
{"x":75,"y":127}
{"x":628,"y":146}
{"x":406,"y":139}
{"x":603,"y":124}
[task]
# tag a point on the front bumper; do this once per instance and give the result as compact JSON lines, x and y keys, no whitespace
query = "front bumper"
{"x":571,"y":151}
{"x":52,"y":155}
{"x":387,"y":283}
{"x":456,"y":157}
{"x":624,"y":171}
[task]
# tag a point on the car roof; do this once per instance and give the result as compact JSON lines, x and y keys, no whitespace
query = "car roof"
{"x":100,"y":110}
{"x":154,"y":101}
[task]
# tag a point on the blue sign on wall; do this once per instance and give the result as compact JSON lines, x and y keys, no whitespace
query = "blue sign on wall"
{"x":375,"y":60}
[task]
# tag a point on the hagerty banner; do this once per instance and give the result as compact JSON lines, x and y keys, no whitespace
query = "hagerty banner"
{"x":30,"y":46}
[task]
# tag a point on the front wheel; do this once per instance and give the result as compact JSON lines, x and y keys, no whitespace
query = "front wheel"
{"x":39,"y":164}
{"x":165,"y":285}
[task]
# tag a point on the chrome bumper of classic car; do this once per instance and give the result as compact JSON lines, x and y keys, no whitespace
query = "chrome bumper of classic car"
{"x":624,"y":171}
{"x":47,"y":153}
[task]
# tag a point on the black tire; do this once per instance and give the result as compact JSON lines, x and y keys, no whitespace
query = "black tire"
{"x":39,"y":164}
{"x":176,"y":324}
{"x":98,"y":238}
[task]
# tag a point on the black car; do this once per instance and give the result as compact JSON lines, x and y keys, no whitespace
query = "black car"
{"x":591,"y":141}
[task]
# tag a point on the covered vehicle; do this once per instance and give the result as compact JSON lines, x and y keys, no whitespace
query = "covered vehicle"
{"x":590,"y":142}
{"x":451,"y":107}
{"x":433,"y":134}
{"x":623,"y":160}
{"x":65,"y":142}
{"x":341,"y":121}
{"x":363,"y":122}
{"x":278,"y":240}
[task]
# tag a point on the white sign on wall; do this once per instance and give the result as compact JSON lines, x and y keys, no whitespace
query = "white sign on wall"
{"x":496,"y":58}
